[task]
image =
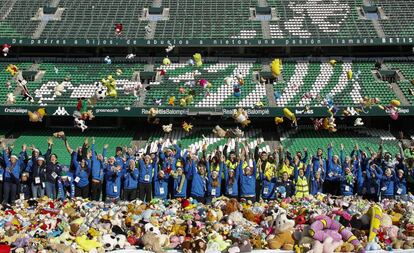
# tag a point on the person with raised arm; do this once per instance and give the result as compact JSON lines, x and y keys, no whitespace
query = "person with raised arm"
{"x":247,"y":171}
{"x":53,"y":170}
{"x":66,"y":186}
{"x":146,"y":176}
{"x":11,"y":175}
{"x":130,"y":181}
{"x":81,"y":174}
{"x":97,"y":171}
{"x":334,"y":173}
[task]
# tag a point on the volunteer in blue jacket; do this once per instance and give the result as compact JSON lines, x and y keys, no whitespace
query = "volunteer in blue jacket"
{"x":180,"y":181}
{"x":171,"y":156}
{"x":37,"y":172}
{"x":269,"y":181}
{"x":248,"y":179}
{"x":161,"y":179}
{"x":400,"y":184}
{"x":113,"y":177}
{"x":374,"y":181}
{"x":146,"y":174}
{"x":130,"y":181}
{"x":387,"y":184}
{"x":11,"y":176}
{"x":347,"y":183}
{"x":24,"y":186}
{"x":316,"y":182}
{"x":214,"y":182}
{"x":333,"y":173}
{"x":1,"y":183}
{"x":199,"y":181}
{"x":97,"y":171}
{"x":232,"y":178}
{"x":66,"y":187}
{"x":53,"y":170}
{"x":81,"y":177}
{"x":318,"y":161}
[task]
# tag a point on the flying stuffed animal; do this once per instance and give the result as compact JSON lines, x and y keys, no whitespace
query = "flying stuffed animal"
{"x":276,"y":67}
{"x":169,"y":48}
{"x":241,"y":117}
{"x":166,"y":61}
{"x":198,"y":60}
{"x":5,"y":49}
{"x":20,"y":81}
{"x":167,"y":128}
{"x":36,"y":116}
{"x":110,"y":84}
{"x":118,"y":29}
{"x":152,"y":119}
{"x":187,"y":126}
{"x":10,"y":99}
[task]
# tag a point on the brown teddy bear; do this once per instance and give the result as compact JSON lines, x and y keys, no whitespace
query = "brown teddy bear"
{"x":283,"y":239}
{"x":232,"y":206}
{"x":256,"y":242}
{"x":241,"y":117}
{"x":219,"y":132}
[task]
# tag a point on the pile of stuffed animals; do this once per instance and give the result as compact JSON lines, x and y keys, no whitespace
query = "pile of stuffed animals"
{"x":318,"y":224}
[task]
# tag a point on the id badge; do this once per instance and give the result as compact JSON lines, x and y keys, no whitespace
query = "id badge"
{"x":77,"y":179}
{"x":115,"y":188}
{"x":372,"y":190}
{"x":54,"y":175}
{"x":384,"y":188}
{"x":230,"y":191}
{"x":43,"y":185}
{"x":146,"y":178}
{"x":330,"y":174}
{"x":22,"y":196}
{"x":161,"y":190}
{"x":37,"y":180}
{"x":213,"y":192}
{"x":399,"y":191}
{"x":346,"y":188}
{"x":266,"y":190}
{"x":1,"y":177}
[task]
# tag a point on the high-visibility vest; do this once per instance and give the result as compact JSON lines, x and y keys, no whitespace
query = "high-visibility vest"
{"x":270,"y":170}
{"x":302,"y":188}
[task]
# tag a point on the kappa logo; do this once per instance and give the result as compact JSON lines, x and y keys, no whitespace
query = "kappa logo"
{"x":61,"y":111}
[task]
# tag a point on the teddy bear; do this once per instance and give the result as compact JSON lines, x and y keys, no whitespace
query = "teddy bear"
{"x":198,"y":59}
{"x":256,"y":242}
{"x":231,"y":206}
{"x":62,"y":248}
{"x":151,"y":242}
{"x":328,"y":246}
{"x":217,"y":242}
{"x":241,"y":117}
{"x":110,"y":84}
{"x":283,"y":238}
{"x":219,"y":132}
{"x":196,"y":245}
{"x":152,"y":119}
{"x":11,"y":99}
{"x":241,"y":244}
{"x":59,"y":89}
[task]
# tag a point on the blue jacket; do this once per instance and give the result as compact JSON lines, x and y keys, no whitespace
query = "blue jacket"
{"x":316,"y":163}
{"x":232,"y":190}
{"x":387,"y":185}
{"x":11,"y":174}
{"x":247,"y":183}
{"x":113,"y":183}
{"x":347,"y":188}
{"x":199,"y":183}
{"x":81,"y":173}
{"x":146,"y":172}
{"x":372,"y":185}
{"x":66,"y":186}
{"x":161,"y":185}
{"x":214,"y":191}
{"x":334,"y":171}
{"x":172,"y":160}
{"x":130,"y":178}
{"x":400,"y":186}
{"x":119,"y":161}
{"x":97,"y":166}
{"x":268,"y":190}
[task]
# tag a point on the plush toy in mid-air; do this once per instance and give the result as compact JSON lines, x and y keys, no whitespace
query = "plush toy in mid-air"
{"x":169,"y":48}
{"x":59,"y":88}
{"x":166,"y":61}
{"x":20,"y":81}
{"x":187,"y":126}
{"x":37,"y":115}
{"x":152,"y":116}
{"x":276,"y":67}
{"x":240,"y":79}
{"x":10,"y":99}
{"x":198,"y":60}
{"x":167,"y":128}
{"x":118,"y":28}
{"x":349,"y":74}
{"x":5,"y":49}
{"x":236,"y":90}
{"x":110,"y":84}
{"x":108,"y":60}
{"x":241,"y":117}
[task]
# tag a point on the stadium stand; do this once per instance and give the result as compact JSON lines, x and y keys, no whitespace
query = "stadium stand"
{"x":304,"y":82}
{"x":211,"y":19}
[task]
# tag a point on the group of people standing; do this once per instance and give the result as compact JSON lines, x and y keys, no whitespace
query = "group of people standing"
{"x":170,"y":172}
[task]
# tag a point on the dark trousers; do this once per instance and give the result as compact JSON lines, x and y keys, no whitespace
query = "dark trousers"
{"x":332,"y":187}
{"x":145,"y":192}
{"x":82,"y":192}
{"x":9,"y":193}
{"x":200,"y":199}
{"x":96,"y":188}
{"x":130,"y":194}
{"x":258,"y":188}
{"x":1,"y":192}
